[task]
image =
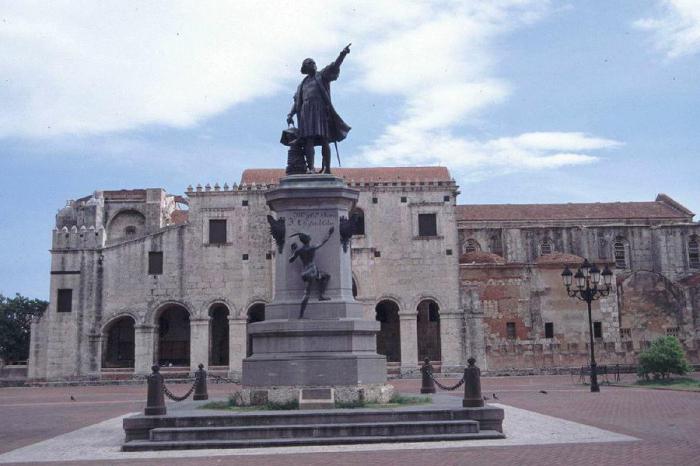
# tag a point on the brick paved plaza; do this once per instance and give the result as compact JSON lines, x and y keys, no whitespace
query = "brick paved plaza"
{"x":667,"y":424}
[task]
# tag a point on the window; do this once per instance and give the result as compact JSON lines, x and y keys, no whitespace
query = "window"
{"x":358,"y":217}
{"x":448,"y":252}
{"x":471,"y":246}
{"x":155,"y":263}
{"x":673,"y":331}
{"x":693,"y":253}
{"x":130,"y":231}
{"x":446,"y":198}
{"x":245,"y":257}
{"x":244,"y":202}
{"x":625,"y":333}
{"x":549,"y":330}
{"x":510,"y":330}
{"x":377,"y":254}
{"x":375,"y":200}
{"x":64,"y":300}
{"x":597,"y":330}
{"x":217,"y":231}
{"x":403,"y":199}
{"x":496,"y":244}
{"x":427,"y":225}
{"x":545,"y":247}
{"x":620,"y":254}
{"x":268,"y":256}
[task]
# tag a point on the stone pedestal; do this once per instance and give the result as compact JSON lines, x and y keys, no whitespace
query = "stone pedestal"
{"x":333,"y":345}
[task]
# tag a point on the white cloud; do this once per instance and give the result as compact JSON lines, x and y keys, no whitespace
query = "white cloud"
{"x":676,"y":31}
{"x":109,"y":67}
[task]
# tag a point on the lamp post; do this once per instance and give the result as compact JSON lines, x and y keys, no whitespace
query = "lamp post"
{"x":585,"y":287}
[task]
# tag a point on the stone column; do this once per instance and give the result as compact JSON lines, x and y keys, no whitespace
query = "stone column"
{"x":237,"y":341}
{"x":409,"y":341}
{"x":199,"y":343}
{"x":95,"y":343}
{"x":144,"y":344}
{"x":451,"y":323}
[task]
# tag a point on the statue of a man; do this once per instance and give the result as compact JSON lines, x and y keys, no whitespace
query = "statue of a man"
{"x":318,"y":122}
{"x":310,"y":272}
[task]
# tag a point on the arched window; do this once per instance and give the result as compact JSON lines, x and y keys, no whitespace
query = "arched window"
{"x":620,"y":253}
{"x":693,"y":253}
{"x":130,"y":231}
{"x":545,"y":247}
{"x":359,"y":217}
{"x":496,"y":244}
{"x":471,"y":245}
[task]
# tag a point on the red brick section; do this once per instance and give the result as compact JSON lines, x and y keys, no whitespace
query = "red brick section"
{"x":592,"y":211}
{"x":369,"y":175}
{"x":667,"y":423}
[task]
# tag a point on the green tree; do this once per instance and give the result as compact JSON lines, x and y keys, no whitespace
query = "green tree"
{"x":665,"y":356}
{"x":15,"y":319}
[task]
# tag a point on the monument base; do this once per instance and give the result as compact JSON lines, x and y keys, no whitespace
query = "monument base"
{"x":282,"y":395}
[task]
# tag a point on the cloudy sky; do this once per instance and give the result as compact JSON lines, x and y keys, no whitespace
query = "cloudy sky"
{"x":524,"y":100}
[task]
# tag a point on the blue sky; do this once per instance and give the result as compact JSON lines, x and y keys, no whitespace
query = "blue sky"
{"x":524,"y":100}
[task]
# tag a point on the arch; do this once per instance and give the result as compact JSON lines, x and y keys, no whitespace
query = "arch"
{"x":693,"y":252}
{"x":152,"y":314}
{"x":126,"y":224}
{"x":173,"y":347}
{"x":359,"y":216}
{"x":389,"y":336}
{"x":118,"y":342}
{"x":428,"y":328}
{"x":621,"y":253}
{"x":218,"y":334}
{"x":255,"y":313}
{"x":471,"y":245}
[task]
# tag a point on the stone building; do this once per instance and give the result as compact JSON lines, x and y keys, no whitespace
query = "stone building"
{"x":142,"y":276}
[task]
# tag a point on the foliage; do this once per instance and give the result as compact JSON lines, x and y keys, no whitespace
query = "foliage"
{"x":664,"y":357}
{"x":15,"y":320}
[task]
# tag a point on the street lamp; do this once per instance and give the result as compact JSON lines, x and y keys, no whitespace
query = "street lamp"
{"x":585,"y":285}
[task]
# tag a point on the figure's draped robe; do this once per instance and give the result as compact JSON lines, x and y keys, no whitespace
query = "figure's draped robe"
{"x":317,"y":118}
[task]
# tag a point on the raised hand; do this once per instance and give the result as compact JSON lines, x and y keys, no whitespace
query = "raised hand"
{"x":346,"y":50}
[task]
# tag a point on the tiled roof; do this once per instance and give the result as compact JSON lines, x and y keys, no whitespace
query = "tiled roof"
{"x":659,"y":209}
{"x":374,"y":174}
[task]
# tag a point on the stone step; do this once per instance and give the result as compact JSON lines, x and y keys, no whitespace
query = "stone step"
{"x":147,"y":445}
{"x":360,"y":429}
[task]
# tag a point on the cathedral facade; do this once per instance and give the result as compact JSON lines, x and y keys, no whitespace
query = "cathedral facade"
{"x":141,"y":277}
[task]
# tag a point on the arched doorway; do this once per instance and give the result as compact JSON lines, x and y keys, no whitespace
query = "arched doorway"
{"x":174,"y":336}
{"x":218,"y":335}
{"x":428,"y":327}
{"x":118,"y":349}
{"x":389,"y":336}
{"x":256,"y":313}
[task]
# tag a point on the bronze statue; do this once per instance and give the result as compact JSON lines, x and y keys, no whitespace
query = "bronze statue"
{"x":318,"y":122}
{"x":310,"y":272}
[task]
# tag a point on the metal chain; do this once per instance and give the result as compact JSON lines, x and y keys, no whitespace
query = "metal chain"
{"x":174,"y":397}
{"x":445,"y":387}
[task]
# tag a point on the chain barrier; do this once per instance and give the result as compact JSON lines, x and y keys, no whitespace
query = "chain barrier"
{"x":445,"y":387}
{"x":174,"y":397}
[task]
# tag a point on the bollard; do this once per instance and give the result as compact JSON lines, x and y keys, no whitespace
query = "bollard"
{"x":427,"y":383}
{"x":155,"y":401}
{"x":472,"y":386}
{"x":200,"y":388}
